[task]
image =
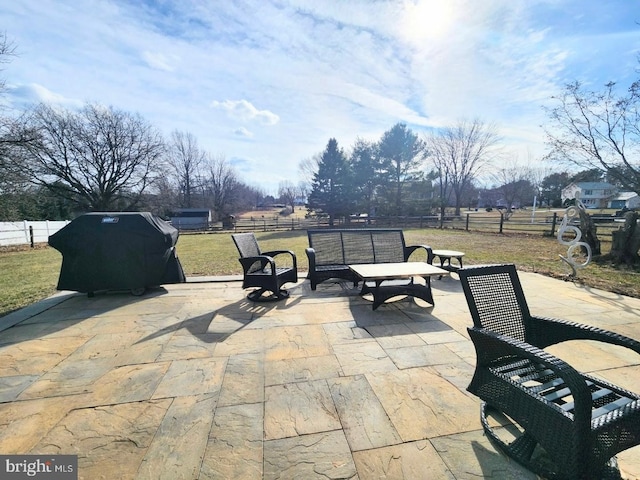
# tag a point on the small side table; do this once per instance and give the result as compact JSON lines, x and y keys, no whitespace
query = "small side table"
{"x":445,"y":257}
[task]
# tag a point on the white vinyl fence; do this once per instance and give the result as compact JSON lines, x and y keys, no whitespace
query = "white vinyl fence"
{"x":27,"y":233}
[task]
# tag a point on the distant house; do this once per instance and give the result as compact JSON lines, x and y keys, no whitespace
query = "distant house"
{"x":629,"y":200}
{"x":591,"y":194}
{"x":191,"y":218}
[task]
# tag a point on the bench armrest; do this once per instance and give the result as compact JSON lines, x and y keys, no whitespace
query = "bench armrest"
{"x":311,"y":256}
{"x":545,"y":331}
{"x":409,"y":250}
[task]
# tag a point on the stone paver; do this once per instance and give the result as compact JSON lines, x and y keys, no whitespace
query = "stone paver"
{"x":406,"y":461}
{"x":235,"y":443}
{"x":300,"y":408}
{"x":194,"y":381}
{"x":178,"y":447}
{"x":470,"y":455}
{"x":364,"y":420}
{"x":323,"y":455}
{"x":117,"y":436}
{"x":422,"y":404}
{"x":244,"y":380}
{"x":363,"y":357}
{"x":301,"y":369}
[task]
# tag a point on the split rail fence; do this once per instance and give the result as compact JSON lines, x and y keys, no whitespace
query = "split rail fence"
{"x":544,"y":224}
{"x":30,"y":233}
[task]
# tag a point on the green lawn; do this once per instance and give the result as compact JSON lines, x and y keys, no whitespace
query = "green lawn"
{"x":29,"y":275}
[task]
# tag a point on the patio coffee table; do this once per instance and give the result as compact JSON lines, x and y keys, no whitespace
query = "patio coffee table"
{"x":380,"y":272}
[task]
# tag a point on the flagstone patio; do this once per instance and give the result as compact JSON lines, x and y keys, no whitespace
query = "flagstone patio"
{"x":194,"y":381}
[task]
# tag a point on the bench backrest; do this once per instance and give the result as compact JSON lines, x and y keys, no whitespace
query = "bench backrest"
{"x":345,"y":247}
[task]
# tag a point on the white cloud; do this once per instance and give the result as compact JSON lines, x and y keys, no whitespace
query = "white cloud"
{"x":243,"y":132}
{"x":28,"y":94}
{"x":245,"y":111}
{"x":329,"y":69}
{"x":158,"y":61}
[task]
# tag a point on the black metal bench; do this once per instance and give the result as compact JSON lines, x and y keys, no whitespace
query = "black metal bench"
{"x":331,"y":251}
{"x":571,"y":425}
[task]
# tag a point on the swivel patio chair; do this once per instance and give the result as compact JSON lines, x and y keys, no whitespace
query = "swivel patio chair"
{"x":260,"y":269}
{"x":571,"y":425}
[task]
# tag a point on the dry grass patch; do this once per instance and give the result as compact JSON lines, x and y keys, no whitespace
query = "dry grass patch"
{"x":29,"y":275}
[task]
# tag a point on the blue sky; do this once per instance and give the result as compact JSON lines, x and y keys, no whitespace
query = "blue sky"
{"x":266,"y":83}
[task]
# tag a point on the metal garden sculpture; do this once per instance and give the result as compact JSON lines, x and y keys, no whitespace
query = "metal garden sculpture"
{"x":570,"y":214}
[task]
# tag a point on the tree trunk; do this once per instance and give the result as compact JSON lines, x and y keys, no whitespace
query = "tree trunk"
{"x":626,"y":241}
{"x":588,"y":229}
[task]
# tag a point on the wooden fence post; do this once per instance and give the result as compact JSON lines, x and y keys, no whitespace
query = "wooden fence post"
{"x":553,"y":224}
{"x":501,"y":222}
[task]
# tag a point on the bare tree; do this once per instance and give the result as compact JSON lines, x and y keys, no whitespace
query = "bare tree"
{"x":513,"y":181}
{"x":460,"y":153}
{"x":304,"y":188}
{"x":537,"y":177}
{"x":598,"y":130}
{"x":245,"y":198}
{"x":163,"y":199}
{"x":186,"y":159}
{"x":7,"y":50}
{"x":99,"y":158}
{"x":438,"y":152}
{"x":288,"y":192}
{"x":12,"y":175}
{"x":221,"y":183}
{"x":308,"y":168}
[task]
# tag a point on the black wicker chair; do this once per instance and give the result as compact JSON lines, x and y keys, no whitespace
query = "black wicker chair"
{"x":260,"y":269}
{"x":571,"y":425}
